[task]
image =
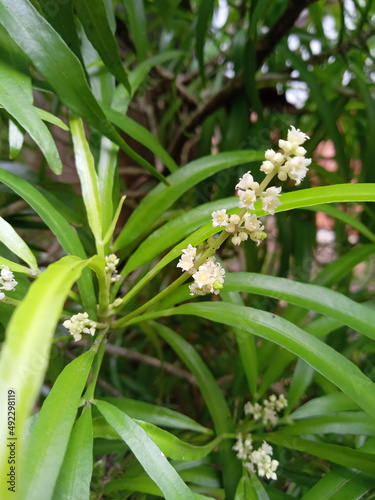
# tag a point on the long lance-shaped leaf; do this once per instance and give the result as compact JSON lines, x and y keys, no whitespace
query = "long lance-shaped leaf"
{"x":147,"y":453}
{"x":88,"y":177}
{"x":175,"y":230}
{"x":40,"y":42}
{"x":17,"y":98}
{"x":15,"y":243}
{"x":76,"y":471}
{"x":93,"y":16}
{"x":28,"y":341}
{"x":214,"y":400}
{"x":312,"y":297}
{"x":66,"y":236}
{"x":325,"y":360}
{"x":163,"y":197}
{"x":49,"y":438}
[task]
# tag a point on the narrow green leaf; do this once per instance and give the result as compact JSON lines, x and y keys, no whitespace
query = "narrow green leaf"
{"x":28,"y":341}
{"x":141,"y":135}
{"x":15,"y":243}
{"x":343,"y":483}
{"x":16,"y":268}
{"x":49,"y":438}
{"x":138,"y":26}
{"x":60,"y":16}
{"x":162,"y":197}
{"x":147,"y":453}
{"x":341,"y":455}
{"x":169,"y":444}
{"x":112,"y":226}
{"x":17,"y":98}
{"x":213,"y":398}
{"x":157,"y":415}
{"x":330,"y":403}
{"x":356,"y":423}
{"x":93,"y":16}
{"x":250,"y":488}
{"x":325,"y":360}
{"x":40,"y":42}
{"x":75,"y":474}
{"x":16,"y":137}
{"x":312,"y":297}
{"x":66,"y":236}
{"x":204,"y":18}
{"x":48,"y":117}
{"x":87,"y":175}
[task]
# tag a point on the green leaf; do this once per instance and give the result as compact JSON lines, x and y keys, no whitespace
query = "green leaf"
{"x":87,"y":175}
{"x":157,"y":415}
{"x":311,"y":297}
{"x":48,"y":117}
{"x":16,"y":268}
{"x":141,"y":135}
{"x":330,"y":403}
{"x":169,"y":444}
{"x":17,"y":98}
{"x":325,"y":360}
{"x":93,"y":16}
{"x":15,"y":243}
{"x":60,"y":16}
{"x":138,"y":26}
{"x":250,"y":489}
{"x":75,"y":474}
{"x":342,"y":455}
{"x":163,"y":197}
{"x":213,"y":398}
{"x":204,"y":18}
{"x":28,"y":341}
{"x":147,"y":453}
{"x":66,"y":236}
{"x":49,"y":438}
{"x":40,"y":42}
{"x":356,"y":423}
{"x":16,"y":137}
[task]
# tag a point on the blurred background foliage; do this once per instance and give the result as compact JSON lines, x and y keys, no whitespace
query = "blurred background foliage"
{"x":212,"y":76}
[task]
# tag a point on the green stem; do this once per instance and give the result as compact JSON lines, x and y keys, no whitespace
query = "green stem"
{"x":99,"y":348}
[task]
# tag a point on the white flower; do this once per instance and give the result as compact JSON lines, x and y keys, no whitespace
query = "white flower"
{"x":247,"y":182}
{"x":292,"y":146}
{"x":244,"y":236}
{"x":209,"y":278}
{"x":234,"y":219}
{"x":247,"y":198}
{"x":80,"y":323}
{"x":258,"y":236}
{"x":275,"y":158}
{"x":186,"y":261}
{"x":295,"y":135}
{"x":253,"y":409}
{"x":230,"y":228}
{"x":267,"y":167}
{"x":243,"y":446}
{"x":252,"y":223}
{"x":281,"y":403}
{"x":297,"y":168}
{"x":266,"y":448}
{"x":220,"y":218}
{"x":270,"y":200}
{"x":7,"y":281}
{"x":269,"y":417}
{"x":111,"y":261}
{"x":236,"y":240}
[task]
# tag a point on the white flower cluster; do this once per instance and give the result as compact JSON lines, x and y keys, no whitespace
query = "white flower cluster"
{"x":267,"y":412}
{"x":259,"y":460}
{"x":111,"y":261}
{"x":242,"y":229}
{"x":292,"y":163}
{"x":7,"y":281}
{"x":80,"y":323}
{"x":208,"y":278}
